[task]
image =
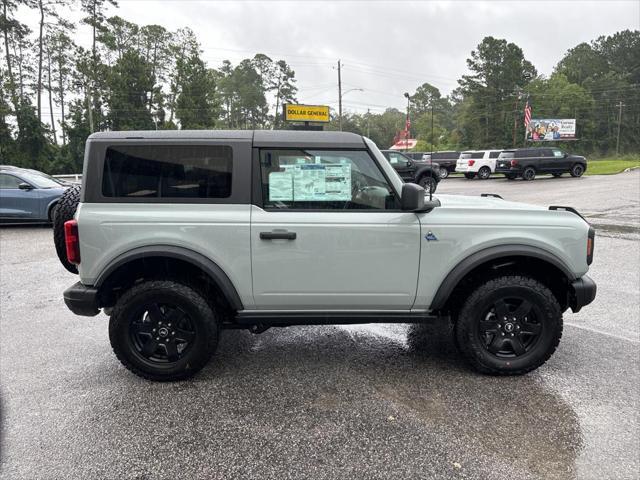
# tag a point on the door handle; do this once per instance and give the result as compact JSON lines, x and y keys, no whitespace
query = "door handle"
{"x":278,"y":235}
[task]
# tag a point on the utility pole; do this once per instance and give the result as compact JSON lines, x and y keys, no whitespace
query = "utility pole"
{"x":620,"y":105}
{"x":339,"y":97}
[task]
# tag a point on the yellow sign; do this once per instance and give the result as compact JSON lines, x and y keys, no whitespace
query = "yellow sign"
{"x":306,"y":113}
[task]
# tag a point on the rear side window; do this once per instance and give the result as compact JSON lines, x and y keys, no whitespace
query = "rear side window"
{"x":167,"y":171}
{"x":477,"y":155}
{"x":494,"y":154}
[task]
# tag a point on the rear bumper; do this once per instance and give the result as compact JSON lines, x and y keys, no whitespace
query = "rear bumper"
{"x":82,"y":300}
{"x":582,"y":292}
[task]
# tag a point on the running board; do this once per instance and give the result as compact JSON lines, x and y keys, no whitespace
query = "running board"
{"x":260,"y":318}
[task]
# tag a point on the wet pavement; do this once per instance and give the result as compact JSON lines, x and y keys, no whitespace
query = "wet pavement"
{"x":370,"y":401}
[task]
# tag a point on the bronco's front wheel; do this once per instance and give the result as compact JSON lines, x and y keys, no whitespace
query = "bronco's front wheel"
{"x":510,"y":325}
{"x":163,"y":330}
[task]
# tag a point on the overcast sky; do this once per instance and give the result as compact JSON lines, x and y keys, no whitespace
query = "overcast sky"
{"x":387,"y":47}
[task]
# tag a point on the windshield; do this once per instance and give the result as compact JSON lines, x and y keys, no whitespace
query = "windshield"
{"x":39,"y":180}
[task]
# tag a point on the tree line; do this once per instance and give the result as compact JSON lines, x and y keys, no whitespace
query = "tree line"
{"x":55,"y":92}
{"x":597,"y":83}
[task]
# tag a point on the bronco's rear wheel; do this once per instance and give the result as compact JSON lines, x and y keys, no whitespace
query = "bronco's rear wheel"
{"x":163,"y":330}
{"x":65,"y":210}
{"x":510,"y":325}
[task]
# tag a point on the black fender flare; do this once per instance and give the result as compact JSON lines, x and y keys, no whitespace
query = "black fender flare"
{"x":180,"y":253}
{"x":492,"y":253}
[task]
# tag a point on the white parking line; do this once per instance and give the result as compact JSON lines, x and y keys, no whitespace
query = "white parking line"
{"x":595,"y":330}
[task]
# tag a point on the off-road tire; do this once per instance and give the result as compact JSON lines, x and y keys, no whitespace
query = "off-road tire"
{"x":473,"y":347}
{"x":469,"y":176}
{"x":199,"y":311}
{"x":63,"y":211}
{"x":484,"y":173}
{"x":428,"y":183}
{"x":577,"y":170}
{"x":444,"y":173}
{"x":529,"y":174}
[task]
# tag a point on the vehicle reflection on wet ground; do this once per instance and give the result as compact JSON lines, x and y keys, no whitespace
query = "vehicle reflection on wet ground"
{"x":365,"y":401}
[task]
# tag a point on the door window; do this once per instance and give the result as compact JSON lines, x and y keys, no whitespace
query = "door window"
{"x":9,"y":182}
{"x":323,"y":180}
{"x":558,"y":153}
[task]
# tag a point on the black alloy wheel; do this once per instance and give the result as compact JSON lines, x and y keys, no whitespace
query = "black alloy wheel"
{"x":510,"y":328}
{"x":161,"y":333}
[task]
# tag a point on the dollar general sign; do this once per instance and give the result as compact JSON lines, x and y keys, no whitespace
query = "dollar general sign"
{"x":306,"y":113}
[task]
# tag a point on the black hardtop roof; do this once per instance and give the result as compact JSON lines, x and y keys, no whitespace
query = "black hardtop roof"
{"x":261,"y":138}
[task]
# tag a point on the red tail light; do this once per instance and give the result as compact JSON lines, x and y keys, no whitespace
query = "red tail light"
{"x":514,"y":163}
{"x":72,"y":241}
{"x":471,"y":162}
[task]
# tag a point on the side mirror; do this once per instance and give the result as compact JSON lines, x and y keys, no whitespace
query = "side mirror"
{"x":412,"y":197}
{"x":25,"y":186}
{"x":409,"y":163}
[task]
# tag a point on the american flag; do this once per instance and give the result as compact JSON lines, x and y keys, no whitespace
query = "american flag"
{"x":527,"y":114}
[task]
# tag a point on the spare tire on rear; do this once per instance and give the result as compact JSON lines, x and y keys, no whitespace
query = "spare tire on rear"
{"x":65,"y":210}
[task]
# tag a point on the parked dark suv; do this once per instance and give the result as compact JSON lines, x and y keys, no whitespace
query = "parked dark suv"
{"x":425,"y":174}
{"x":446,"y":160}
{"x":527,"y":162}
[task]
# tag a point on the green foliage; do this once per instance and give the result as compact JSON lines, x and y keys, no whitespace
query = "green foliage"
{"x":135,"y":76}
{"x":130,"y":80}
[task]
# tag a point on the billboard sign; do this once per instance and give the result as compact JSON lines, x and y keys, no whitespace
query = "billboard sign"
{"x":306,"y":113}
{"x":551,"y":129}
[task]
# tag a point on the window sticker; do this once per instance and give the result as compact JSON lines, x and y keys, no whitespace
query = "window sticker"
{"x":280,"y":187}
{"x":313,"y":182}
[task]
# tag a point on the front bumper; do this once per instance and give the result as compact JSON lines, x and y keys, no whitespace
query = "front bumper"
{"x":582,"y":292}
{"x":82,"y":300}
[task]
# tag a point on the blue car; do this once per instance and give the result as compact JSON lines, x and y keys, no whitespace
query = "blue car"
{"x":28,"y":195}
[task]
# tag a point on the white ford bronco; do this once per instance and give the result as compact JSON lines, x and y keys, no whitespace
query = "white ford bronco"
{"x":179,"y":234}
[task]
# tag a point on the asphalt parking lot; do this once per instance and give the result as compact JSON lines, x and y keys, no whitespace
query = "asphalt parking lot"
{"x":371,"y":401}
